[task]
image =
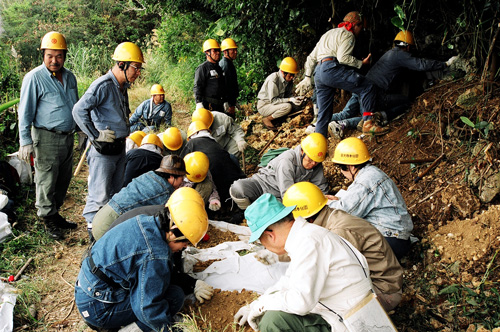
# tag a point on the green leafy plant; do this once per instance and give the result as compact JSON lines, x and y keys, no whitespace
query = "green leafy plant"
{"x":483,"y":127}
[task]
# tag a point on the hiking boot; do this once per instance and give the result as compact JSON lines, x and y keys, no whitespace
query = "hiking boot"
{"x":63,"y":223}
{"x":336,"y":129}
{"x":310,"y":129}
{"x":359,"y":127}
{"x":267,"y":121}
{"x":380,"y":119}
{"x":370,"y":128}
{"x":51,"y":228}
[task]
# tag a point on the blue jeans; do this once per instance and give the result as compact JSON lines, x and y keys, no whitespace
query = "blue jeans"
{"x":106,"y":175}
{"x":114,"y":315}
{"x":351,"y":114}
{"x":331,"y":75}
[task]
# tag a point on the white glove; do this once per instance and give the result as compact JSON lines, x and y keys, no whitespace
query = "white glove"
{"x":266,"y":257}
{"x":214,"y":205}
{"x":241,"y":316}
{"x":226,"y":106}
{"x":296,"y":101}
{"x":203,"y":291}
{"x":25,"y":153}
{"x":451,"y":60}
{"x":256,"y":311}
{"x":242,"y":145}
{"x":304,"y":86}
{"x":106,"y":135}
{"x":199,"y":105}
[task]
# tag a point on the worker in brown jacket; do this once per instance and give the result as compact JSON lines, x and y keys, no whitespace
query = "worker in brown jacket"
{"x":385,"y":271}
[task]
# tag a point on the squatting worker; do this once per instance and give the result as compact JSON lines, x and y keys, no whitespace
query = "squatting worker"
{"x":102,"y":113}
{"x":336,"y":70}
{"x":126,"y":277}
{"x":326,"y":277}
{"x":48,"y":94}
{"x":153,"y":112}
{"x":209,"y":83}
{"x":385,"y":271}
{"x":372,"y":195}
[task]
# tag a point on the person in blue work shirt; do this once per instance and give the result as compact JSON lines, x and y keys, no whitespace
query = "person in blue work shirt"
{"x":372,"y":195}
{"x":126,"y":278}
{"x":102,"y":114}
{"x":152,"y":113}
{"x":336,"y":69}
{"x":153,"y":187}
{"x":382,"y":75}
{"x":48,"y":94}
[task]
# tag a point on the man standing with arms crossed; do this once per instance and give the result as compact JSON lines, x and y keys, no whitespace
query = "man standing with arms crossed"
{"x":102,"y":113}
{"x":48,"y":94}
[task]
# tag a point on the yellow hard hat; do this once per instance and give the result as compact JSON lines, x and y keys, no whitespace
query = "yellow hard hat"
{"x":53,"y":41}
{"x":210,"y":44}
{"x":172,"y":139}
{"x":315,"y":146}
{"x":187,"y":212}
{"x":307,"y":197}
{"x":128,"y":52}
{"x":152,"y":139}
{"x":351,"y":151}
{"x":228,"y":43}
{"x":202,"y":114}
{"x":289,"y":65}
{"x":405,"y":37}
{"x":195,"y":127}
{"x":137,"y":137}
{"x":197,"y":164}
{"x":157,"y":89}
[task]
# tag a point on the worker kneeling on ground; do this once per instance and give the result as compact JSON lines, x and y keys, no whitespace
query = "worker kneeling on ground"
{"x":153,"y":112}
{"x":275,"y":96}
{"x":372,"y":195}
{"x":125,"y":279}
{"x":302,"y":163}
{"x":326,"y":278}
{"x":143,"y":159}
{"x":151,"y":188}
{"x":385,"y":271}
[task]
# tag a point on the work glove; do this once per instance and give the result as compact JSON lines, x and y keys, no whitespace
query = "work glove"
{"x":106,"y":135}
{"x":203,"y":291}
{"x":242,"y":145}
{"x":296,"y":101}
{"x":199,"y":105}
{"x":256,"y":312}
{"x":214,"y":205}
{"x":266,"y":257}
{"x":25,"y":153}
{"x":451,"y":60}
{"x":304,"y":86}
{"x":241,"y":316}
{"x":226,"y":106}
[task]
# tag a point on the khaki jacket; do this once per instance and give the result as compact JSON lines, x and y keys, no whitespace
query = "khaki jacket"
{"x":385,"y":271}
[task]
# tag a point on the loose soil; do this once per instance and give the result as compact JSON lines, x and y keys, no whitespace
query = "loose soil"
{"x":458,"y":235}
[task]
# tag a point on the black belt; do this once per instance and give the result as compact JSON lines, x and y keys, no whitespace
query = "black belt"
{"x":214,"y":101}
{"x":59,"y":132}
{"x":95,"y":270}
{"x":326,"y":59}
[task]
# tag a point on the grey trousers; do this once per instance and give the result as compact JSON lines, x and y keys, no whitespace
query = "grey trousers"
{"x":279,"y":321}
{"x":53,"y":169}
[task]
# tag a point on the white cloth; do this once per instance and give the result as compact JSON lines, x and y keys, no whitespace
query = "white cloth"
{"x":325,"y":269}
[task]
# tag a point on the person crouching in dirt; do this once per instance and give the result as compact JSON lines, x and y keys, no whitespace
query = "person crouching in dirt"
{"x":302,"y":163}
{"x":223,"y":168}
{"x":126,"y":277}
{"x":153,"y":187}
{"x":326,"y":277}
{"x":275,"y":96}
{"x":372,"y":195}
{"x":153,"y":112}
{"x":385,"y":271}
{"x":143,"y":159}
{"x":199,"y":178}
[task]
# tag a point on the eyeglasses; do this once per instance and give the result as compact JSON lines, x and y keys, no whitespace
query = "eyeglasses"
{"x":136,"y":68}
{"x":285,"y":73}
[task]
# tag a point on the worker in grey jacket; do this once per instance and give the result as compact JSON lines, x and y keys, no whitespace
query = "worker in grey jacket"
{"x":302,"y":163}
{"x":223,"y":128}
